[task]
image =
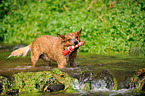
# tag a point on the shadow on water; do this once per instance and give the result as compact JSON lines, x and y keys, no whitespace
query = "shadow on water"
{"x":101,"y":68}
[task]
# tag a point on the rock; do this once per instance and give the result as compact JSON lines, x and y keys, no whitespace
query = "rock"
{"x":55,"y":87}
{"x":56,"y":80}
{"x":31,"y":82}
{"x":62,"y":78}
{"x":43,"y":81}
{"x":104,"y":80}
{"x":139,"y":79}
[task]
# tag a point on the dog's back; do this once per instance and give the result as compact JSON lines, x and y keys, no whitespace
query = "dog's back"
{"x":51,"y":48}
{"x":45,"y":45}
{"x":48,"y":45}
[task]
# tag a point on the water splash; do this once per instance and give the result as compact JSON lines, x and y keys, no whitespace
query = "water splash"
{"x":99,"y":87}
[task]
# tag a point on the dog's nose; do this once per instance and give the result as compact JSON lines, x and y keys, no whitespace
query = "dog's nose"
{"x":76,"y":42}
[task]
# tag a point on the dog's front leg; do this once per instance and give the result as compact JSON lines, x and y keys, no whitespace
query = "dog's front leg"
{"x":62,"y":61}
{"x":72,"y":58}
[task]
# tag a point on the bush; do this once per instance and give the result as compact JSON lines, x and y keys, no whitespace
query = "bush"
{"x":109,"y":26}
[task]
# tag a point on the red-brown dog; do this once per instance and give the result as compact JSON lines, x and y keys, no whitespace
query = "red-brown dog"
{"x":49,"y":48}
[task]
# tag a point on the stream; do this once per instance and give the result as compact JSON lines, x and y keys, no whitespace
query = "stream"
{"x":98,"y":71}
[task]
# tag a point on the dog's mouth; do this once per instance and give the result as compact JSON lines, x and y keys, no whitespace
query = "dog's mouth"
{"x":76,"y":42}
{"x":73,"y":43}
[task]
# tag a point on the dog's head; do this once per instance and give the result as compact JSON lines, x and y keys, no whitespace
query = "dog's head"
{"x":70,"y":38}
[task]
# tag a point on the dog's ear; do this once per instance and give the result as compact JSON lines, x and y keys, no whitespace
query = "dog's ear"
{"x":79,"y":32}
{"x":62,"y":37}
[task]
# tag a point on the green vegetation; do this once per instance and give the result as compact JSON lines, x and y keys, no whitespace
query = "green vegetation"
{"x":33,"y":82}
{"x":109,"y":26}
{"x":37,"y":82}
{"x":26,"y":82}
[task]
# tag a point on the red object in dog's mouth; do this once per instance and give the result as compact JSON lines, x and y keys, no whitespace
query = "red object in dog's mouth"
{"x":71,"y":48}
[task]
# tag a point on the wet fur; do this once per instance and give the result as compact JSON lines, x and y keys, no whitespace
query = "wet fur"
{"x":50,"y":48}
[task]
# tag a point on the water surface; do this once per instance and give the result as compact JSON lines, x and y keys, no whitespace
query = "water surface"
{"x":120,"y":67}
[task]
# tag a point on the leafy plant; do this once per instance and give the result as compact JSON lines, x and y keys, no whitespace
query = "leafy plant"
{"x":109,"y":26}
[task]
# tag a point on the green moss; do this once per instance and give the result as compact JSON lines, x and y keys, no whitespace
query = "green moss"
{"x":57,"y":71}
{"x":27,"y":81}
{"x":63,"y":78}
{"x":134,"y":81}
{"x":33,"y":82}
{"x":71,"y":90}
{"x":86,"y":87}
{"x":115,"y":83}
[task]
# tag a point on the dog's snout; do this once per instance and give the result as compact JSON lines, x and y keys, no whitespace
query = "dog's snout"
{"x":76,"y":42}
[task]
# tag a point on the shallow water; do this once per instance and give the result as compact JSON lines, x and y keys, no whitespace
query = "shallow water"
{"x":120,"y":67}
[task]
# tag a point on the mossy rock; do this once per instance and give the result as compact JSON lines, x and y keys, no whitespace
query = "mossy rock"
{"x":28,"y":81}
{"x":138,"y":80}
{"x":32,"y":82}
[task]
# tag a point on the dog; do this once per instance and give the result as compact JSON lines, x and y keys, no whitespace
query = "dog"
{"x":50,"y":48}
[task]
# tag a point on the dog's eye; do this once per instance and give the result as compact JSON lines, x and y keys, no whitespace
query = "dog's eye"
{"x":76,"y":36}
{"x":68,"y":39}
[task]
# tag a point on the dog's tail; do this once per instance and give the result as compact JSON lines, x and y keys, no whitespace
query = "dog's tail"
{"x":21,"y":51}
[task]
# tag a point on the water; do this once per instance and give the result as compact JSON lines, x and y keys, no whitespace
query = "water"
{"x":95,"y":73}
